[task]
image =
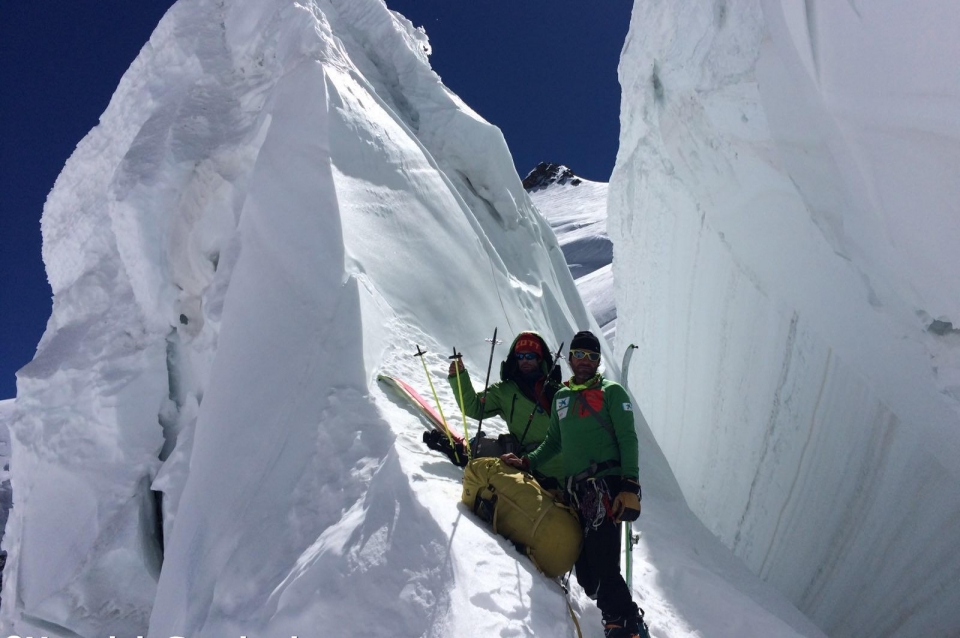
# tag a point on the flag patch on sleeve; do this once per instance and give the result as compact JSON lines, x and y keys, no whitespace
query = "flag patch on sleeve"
{"x":628,"y":407}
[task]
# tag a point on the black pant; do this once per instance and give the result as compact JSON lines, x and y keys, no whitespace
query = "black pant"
{"x":598,"y":572}
{"x":547,"y":482}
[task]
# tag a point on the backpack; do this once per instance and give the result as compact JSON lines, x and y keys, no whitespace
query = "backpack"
{"x":519,"y":509}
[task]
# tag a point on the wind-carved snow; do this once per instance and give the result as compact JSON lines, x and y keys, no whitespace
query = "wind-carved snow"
{"x":785,"y":233}
{"x":281,"y":201}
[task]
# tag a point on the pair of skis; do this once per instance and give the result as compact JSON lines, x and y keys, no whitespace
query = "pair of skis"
{"x":442,"y":437}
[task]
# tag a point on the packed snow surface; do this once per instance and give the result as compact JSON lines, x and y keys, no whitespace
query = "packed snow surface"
{"x":784,"y":213}
{"x":280,"y":202}
{"x":577,"y":213}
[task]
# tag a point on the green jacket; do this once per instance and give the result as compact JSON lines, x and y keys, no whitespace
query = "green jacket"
{"x":506,"y":399}
{"x":582,"y":436}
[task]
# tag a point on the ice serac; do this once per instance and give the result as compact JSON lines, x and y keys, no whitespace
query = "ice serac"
{"x":784,"y":235}
{"x":280,"y":200}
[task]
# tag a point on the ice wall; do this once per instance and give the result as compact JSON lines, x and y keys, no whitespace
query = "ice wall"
{"x":784,"y":233}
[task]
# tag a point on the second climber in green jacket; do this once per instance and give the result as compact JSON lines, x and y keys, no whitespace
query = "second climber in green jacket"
{"x":593,"y":427}
{"x":523,"y":397}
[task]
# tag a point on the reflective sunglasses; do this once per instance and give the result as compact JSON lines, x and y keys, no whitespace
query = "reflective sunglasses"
{"x":529,"y":356}
{"x":580,"y":354}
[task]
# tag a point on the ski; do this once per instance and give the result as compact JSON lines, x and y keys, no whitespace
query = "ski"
{"x":630,"y":539}
{"x":439,"y":436}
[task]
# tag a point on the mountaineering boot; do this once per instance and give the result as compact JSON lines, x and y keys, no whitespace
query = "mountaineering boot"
{"x":633,"y":627}
{"x":637,"y":626}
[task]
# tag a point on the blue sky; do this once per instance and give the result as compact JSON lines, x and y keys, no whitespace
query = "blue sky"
{"x":544,"y":71}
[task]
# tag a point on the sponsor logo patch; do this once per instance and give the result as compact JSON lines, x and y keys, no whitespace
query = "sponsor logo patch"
{"x":563,"y":403}
{"x":628,"y":407}
{"x":562,"y":413}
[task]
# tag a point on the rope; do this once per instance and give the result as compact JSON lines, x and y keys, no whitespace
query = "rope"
{"x":566,"y":599}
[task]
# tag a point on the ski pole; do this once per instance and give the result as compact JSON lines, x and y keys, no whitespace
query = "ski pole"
{"x":483,"y":397}
{"x":453,"y":447}
{"x":458,"y":358}
{"x":556,"y":364}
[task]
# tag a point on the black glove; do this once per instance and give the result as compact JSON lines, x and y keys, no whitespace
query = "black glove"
{"x":556,"y":377}
{"x":437,"y":440}
{"x":631,"y":485}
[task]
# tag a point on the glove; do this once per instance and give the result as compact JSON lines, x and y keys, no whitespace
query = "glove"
{"x":508,"y":444}
{"x":437,"y":440}
{"x":513,"y":461}
{"x":556,"y":376}
{"x":626,"y":507}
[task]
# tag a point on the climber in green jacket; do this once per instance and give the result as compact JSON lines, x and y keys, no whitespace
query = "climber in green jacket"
{"x":592,"y":425}
{"x":523,"y":397}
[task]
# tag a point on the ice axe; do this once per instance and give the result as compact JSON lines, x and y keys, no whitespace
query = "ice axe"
{"x":483,"y":397}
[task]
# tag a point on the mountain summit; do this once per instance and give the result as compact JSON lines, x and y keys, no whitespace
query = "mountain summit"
{"x":547,"y":173}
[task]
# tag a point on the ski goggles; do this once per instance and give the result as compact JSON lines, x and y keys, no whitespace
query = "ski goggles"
{"x":529,"y":356}
{"x":580,"y":354}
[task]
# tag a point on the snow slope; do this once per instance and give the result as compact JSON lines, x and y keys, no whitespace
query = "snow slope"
{"x":280,"y":202}
{"x":577,"y":213}
{"x":784,"y":215}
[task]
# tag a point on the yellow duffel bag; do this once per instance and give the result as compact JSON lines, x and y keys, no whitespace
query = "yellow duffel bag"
{"x":523,"y":512}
